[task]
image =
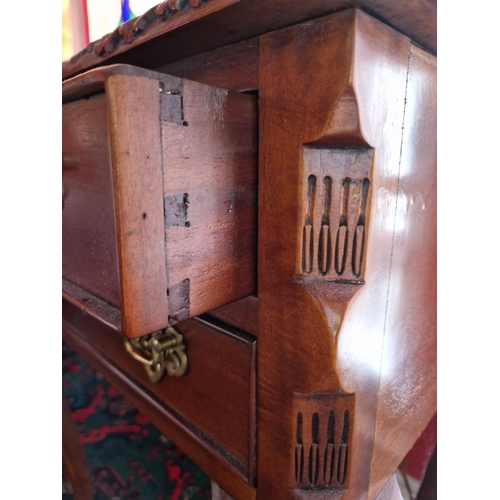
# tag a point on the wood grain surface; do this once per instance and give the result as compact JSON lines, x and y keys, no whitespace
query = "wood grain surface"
{"x":407,"y":385}
{"x":179,"y":178}
{"x":172,"y":36}
{"x":88,"y":221}
{"x":241,"y":314}
{"x":232,"y":67}
{"x":213,"y":160}
{"x":344,"y":301}
{"x":317,"y":335}
{"x":135,"y":138}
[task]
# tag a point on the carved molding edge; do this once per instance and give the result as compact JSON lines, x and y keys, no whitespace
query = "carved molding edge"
{"x":323,"y":436}
{"x":130,"y":30}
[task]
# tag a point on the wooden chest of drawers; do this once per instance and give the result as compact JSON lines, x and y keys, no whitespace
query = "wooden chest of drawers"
{"x":291,"y":243}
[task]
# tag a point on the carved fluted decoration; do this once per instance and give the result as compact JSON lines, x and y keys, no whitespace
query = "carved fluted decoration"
{"x":128,"y":31}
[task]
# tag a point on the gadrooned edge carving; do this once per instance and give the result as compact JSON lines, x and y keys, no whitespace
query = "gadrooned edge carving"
{"x":128,"y":31}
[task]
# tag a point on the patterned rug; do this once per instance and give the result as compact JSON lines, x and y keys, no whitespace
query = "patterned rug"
{"x":129,"y":458}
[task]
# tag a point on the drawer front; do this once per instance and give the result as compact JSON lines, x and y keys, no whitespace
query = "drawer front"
{"x":216,"y":397}
{"x":159,"y":204}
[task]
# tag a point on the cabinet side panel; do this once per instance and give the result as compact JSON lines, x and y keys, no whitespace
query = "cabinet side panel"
{"x":407,"y":393}
{"x":234,"y":67}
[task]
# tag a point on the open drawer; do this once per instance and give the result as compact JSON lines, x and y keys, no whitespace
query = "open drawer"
{"x":159,"y":197}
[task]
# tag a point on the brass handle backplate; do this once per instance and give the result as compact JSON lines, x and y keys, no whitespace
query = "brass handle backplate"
{"x":161,"y":352}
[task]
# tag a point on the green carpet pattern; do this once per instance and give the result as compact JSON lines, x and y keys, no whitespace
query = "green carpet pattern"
{"x":129,"y":458}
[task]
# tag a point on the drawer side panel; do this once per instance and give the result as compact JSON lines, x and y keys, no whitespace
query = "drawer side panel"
{"x":89,"y":256}
{"x":212,"y":162}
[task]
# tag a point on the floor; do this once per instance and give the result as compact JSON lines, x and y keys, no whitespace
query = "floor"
{"x":128,"y":457}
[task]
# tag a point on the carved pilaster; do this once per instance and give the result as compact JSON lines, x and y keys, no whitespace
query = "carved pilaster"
{"x":332,"y":114}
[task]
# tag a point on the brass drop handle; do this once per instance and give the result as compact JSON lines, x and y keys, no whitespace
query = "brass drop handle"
{"x":136,"y":355}
{"x":161,"y":352}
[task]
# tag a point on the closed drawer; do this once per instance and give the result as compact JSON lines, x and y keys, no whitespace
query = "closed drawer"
{"x":159,"y":197}
{"x":214,"y":400}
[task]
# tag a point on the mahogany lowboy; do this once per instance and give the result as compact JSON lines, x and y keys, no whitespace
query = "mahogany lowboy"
{"x":315,"y":381}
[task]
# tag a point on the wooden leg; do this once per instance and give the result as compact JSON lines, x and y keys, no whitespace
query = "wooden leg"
{"x":218,"y":493}
{"x":74,"y":460}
